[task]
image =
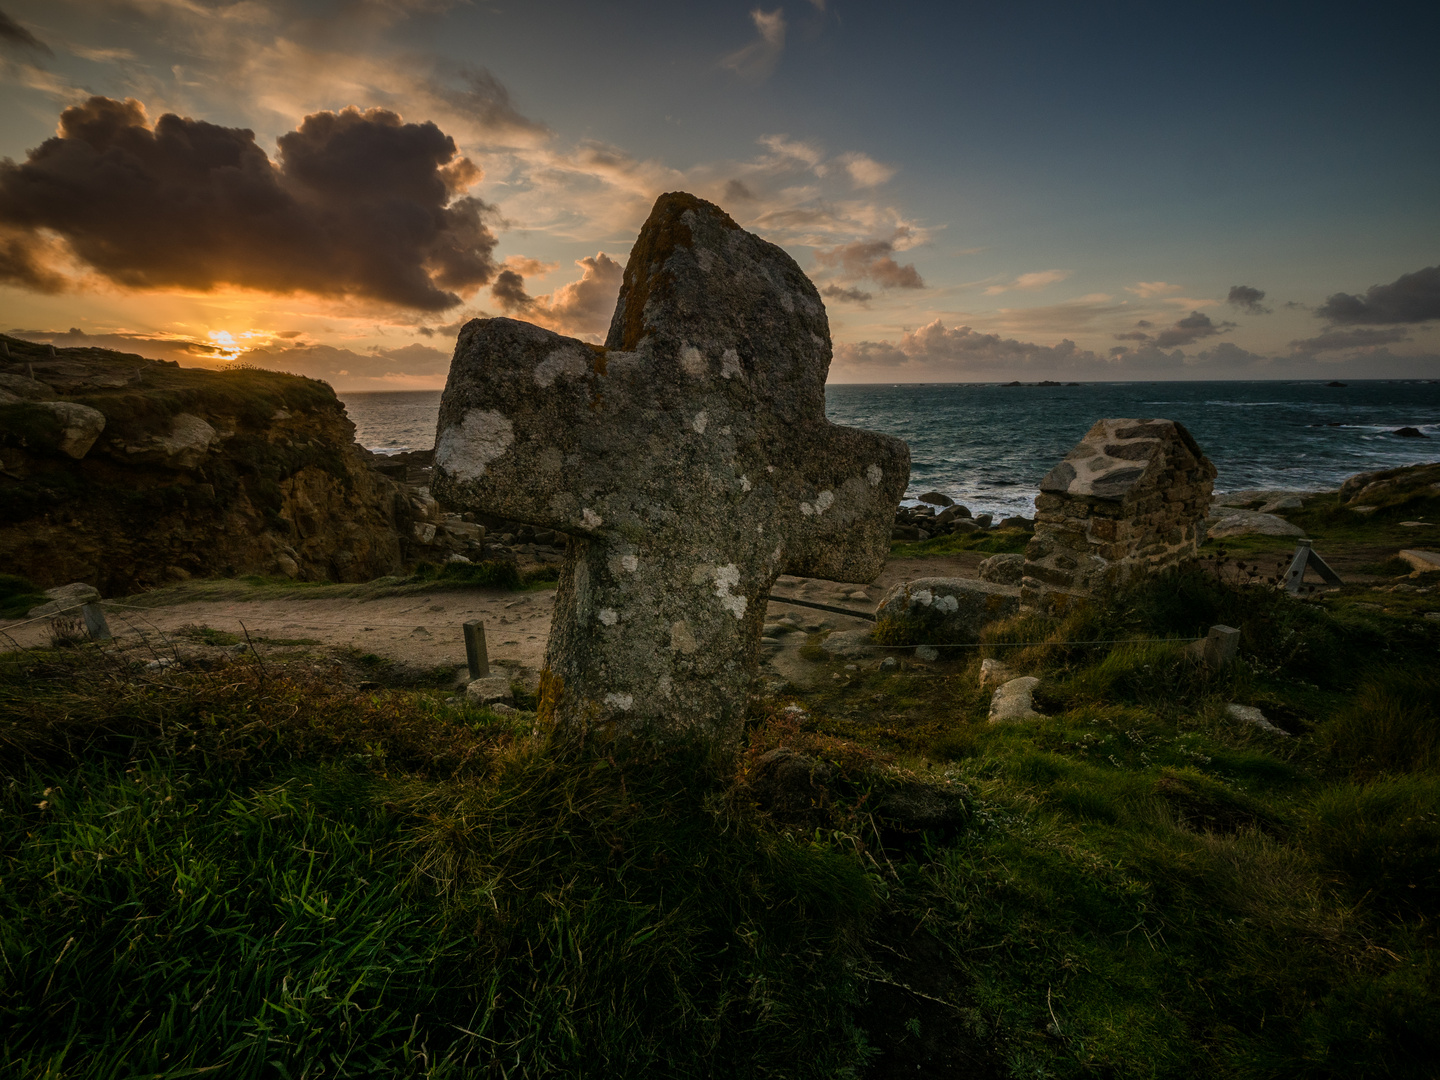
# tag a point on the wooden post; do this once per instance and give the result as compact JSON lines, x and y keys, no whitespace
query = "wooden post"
{"x":475,"y":654}
{"x":96,"y":624}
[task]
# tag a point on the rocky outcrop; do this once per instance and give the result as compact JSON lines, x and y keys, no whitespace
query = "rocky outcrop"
{"x":127,"y":472}
{"x":1133,"y":494}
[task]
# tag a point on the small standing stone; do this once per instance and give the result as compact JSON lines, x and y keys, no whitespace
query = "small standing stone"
{"x":1014,"y":700}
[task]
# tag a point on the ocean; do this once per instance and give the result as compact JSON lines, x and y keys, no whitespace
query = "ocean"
{"x":987,"y":445}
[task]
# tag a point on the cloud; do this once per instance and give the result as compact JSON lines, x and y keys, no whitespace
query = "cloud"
{"x":796,"y":150}
{"x":581,"y":308}
{"x":1189,"y":330}
{"x":358,"y":205}
{"x":1147,"y":289}
{"x":1035,"y":280}
{"x":871,"y":260}
{"x":854,"y":296}
{"x":379,"y":368}
{"x":13,"y":34}
{"x":1337,"y":340}
{"x":483,"y":99}
{"x":865,"y":171}
{"x":1247,"y":299}
{"x":757,"y":60}
{"x":737,"y":192}
{"x":1410,"y":298}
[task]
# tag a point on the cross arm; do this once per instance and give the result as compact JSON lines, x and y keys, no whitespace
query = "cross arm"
{"x":845,"y":496}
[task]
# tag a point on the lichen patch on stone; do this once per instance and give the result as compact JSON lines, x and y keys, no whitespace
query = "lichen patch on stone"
{"x":609,"y":616}
{"x":464,"y":449}
{"x":727,"y":577}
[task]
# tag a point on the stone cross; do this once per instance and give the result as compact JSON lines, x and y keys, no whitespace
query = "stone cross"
{"x":689,"y":461}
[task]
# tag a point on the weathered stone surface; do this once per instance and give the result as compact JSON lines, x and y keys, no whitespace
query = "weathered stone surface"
{"x":490,"y":690}
{"x":65,"y":598}
{"x":1251,"y":523}
{"x":850,"y":644}
{"x":22,"y":386}
{"x":260,"y":474}
{"x":1249,"y":714}
{"x":80,"y":426}
{"x":1014,"y":700}
{"x":1131,"y":495}
{"x":1004,"y":569}
{"x":948,"y":610}
{"x":689,"y":461}
{"x":937,"y":498}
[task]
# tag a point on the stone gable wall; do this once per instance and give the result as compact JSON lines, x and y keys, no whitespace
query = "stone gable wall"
{"x":1133,"y":494}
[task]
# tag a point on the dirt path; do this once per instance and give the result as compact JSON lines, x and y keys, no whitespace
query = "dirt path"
{"x":423,"y":630}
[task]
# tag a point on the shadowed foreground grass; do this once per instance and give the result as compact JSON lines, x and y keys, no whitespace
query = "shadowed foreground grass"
{"x":263,"y":873}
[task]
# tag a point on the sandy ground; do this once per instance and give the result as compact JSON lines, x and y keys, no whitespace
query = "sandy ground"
{"x":424,"y":630}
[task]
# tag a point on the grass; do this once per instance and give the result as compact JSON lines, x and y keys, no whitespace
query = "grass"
{"x":425,"y":578}
{"x":268,"y":872}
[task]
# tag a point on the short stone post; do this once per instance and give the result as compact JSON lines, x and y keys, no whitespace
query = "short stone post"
{"x":475,"y":652}
{"x":96,"y":625}
{"x":1220,"y":646}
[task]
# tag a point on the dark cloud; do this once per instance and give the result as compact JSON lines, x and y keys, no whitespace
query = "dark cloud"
{"x":1133,"y":335}
{"x":1189,"y":330}
{"x":12,"y":33}
{"x":1336,"y":340}
{"x":736,"y":191}
{"x":1410,"y":298}
{"x":509,"y":292}
{"x":581,"y":308}
{"x":870,"y":260}
{"x":836,"y":292}
{"x":1247,"y":299}
{"x":1144,"y":324}
{"x":484,"y":98}
{"x":360,"y":204}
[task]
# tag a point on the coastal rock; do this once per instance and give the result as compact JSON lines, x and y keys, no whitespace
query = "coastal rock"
{"x":80,"y":426}
{"x":937,"y":498}
{"x":949,"y":611}
{"x":1264,"y":501}
{"x":257,"y":473}
{"x":1131,"y":496}
{"x":1250,"y":523}
{"x":953,"y":513}
{"x":688,"y":461}
{"x":1391,"y":487}
{"x":1014,"y":701}
{"x":1004,"y":569}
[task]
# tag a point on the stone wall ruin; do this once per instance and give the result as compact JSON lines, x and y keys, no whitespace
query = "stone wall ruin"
{"x":1131,"y":495}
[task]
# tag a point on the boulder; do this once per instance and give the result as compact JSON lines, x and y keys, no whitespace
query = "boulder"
{"x":65,"y":598}
{"x":1014,"y":700}
{"x":1250,"y":523}
{"x":1016,"y":521}
{"x":80,"y":426}
{"x":953,"y":513}
{"x":946,"y":610}
{"x":1248,"y":714}
{"x":850,"y":644}
{"x":936,"y":498}
{"x":1004,"y":569}
{"x":490,"y":690}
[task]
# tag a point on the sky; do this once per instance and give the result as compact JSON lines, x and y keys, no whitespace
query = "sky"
{"x":982,"y":192}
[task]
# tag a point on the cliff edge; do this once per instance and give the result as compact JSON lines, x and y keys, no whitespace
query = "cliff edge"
{"x":126,"y":472}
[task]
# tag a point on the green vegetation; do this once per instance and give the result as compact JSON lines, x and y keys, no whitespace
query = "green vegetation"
{"x":261,"y":870}
{"x":17,"y":596}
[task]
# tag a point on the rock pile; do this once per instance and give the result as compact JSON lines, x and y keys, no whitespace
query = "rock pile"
{"x":930,"y":519}
{"x":1132,"y":494}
